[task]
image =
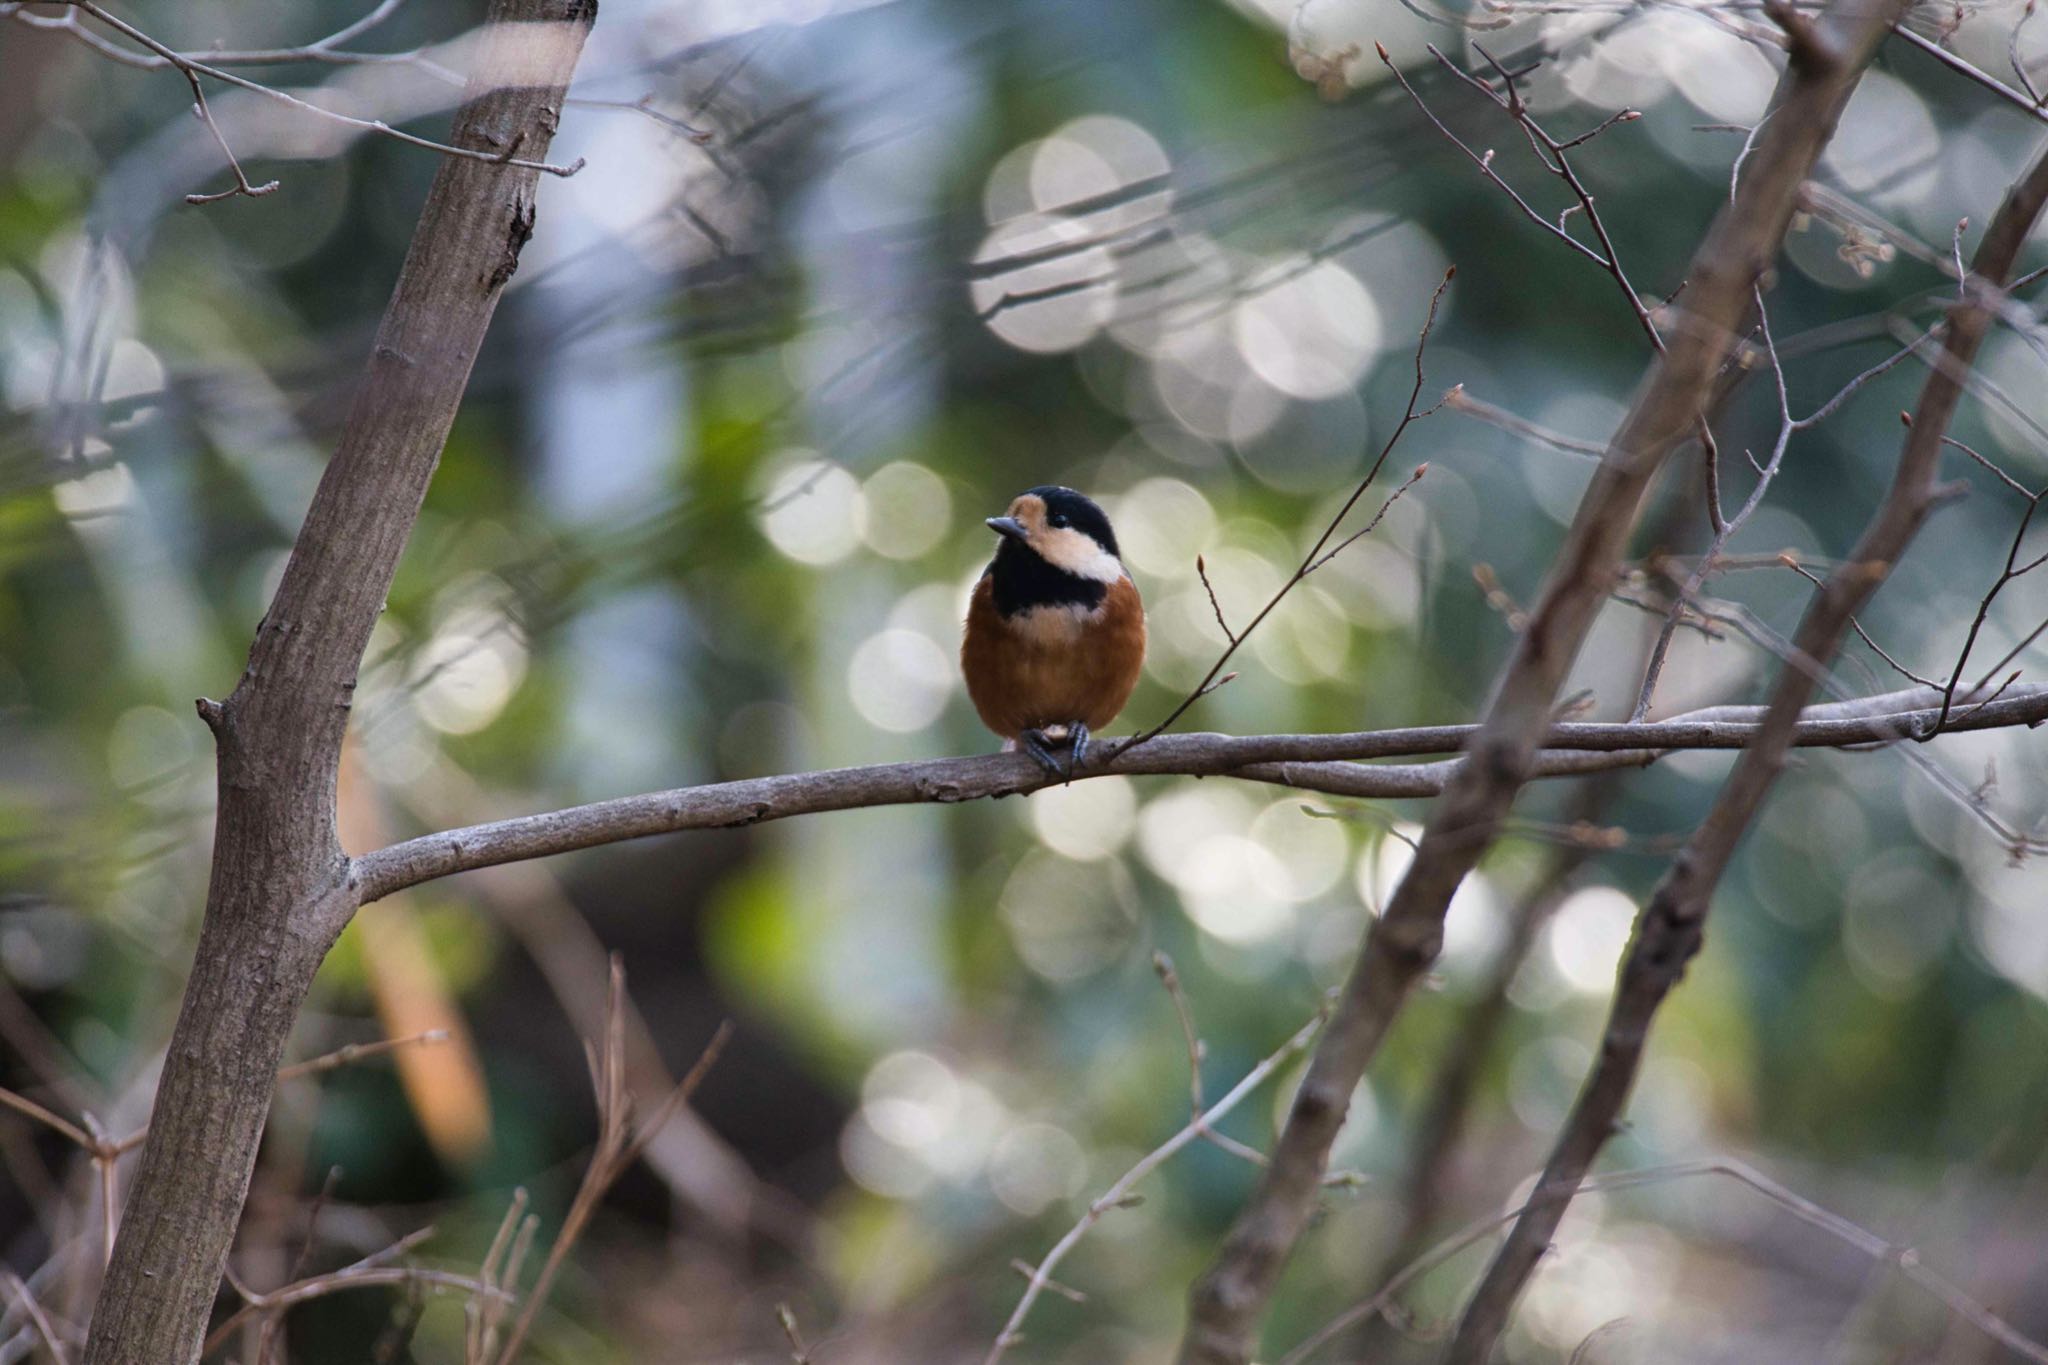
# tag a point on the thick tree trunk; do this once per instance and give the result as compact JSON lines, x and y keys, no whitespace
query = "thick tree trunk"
{"x":281,"y":887}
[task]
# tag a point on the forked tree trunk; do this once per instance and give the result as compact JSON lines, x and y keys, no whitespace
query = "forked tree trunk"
{"x":281,"y":886}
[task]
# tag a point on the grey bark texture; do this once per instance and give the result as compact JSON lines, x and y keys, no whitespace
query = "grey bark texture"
{"x":279,"y":892}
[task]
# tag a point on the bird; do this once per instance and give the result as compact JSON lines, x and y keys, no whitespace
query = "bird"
{"x":1055,"y":634}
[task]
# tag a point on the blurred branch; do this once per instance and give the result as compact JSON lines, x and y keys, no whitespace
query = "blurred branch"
{"x":1118,"y":1195}
{"x":1671,"y":927}
{"x":369,"y":1273}
{"x":1229,"y":1300}
{"x":1313,"y":762}
{"x":328,"y":51}
{"x":483,"y":1313}
{"x":699,"y":1166}
{"x":33,"y":1311}
{"x":1457,"y":400}
{"x":621,"y":1137}
{"x":192,"y":69}
{"x":1836,"y":1226}
{"x":356,"y":1052}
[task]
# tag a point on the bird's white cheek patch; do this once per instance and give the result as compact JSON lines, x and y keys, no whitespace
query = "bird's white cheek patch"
{"x":1079,"y":555}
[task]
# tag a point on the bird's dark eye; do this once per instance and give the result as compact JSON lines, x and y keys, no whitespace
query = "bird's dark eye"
{"x":1059,"y":521}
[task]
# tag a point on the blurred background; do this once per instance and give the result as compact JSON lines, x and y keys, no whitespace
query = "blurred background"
{"x":837,"y":281}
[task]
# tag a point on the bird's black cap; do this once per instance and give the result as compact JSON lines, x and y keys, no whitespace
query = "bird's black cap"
{"x":1080,"y":512}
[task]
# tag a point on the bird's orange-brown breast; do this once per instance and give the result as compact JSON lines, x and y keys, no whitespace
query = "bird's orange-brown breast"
{"x":1053,"y":665}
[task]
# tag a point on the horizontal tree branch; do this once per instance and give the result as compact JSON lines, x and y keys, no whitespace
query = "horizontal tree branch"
{"x":1317,"y":762}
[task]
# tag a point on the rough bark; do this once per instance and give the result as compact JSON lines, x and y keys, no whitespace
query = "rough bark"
{"x":279,"y":891}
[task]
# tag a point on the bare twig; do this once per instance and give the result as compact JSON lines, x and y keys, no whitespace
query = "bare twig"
{"x":1457,"y":400}
{"x":1316,"y":558}
{"x":1970,"y":71}
{"x":2012,"y":571}
{"x":1119,"y":1192}
{"x":357,"y":1052}
{"x":359,"y":1276}
{"x":1550,"y":152}
{"x":799,"y":1353}
{"x":1791,"y":562}
{"x":481,"y":1312}
{"x":33,"y":1311}
{"x":1202,"y":571}
{"x":205,"y":116}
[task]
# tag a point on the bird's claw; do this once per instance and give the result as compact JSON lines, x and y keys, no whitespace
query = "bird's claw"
{"x":1040,"y":746}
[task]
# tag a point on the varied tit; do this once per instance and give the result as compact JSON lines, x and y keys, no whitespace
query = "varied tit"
{"x":1055,"y":631}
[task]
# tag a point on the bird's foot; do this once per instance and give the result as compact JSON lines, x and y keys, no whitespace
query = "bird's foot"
{"x":1059,"y":749}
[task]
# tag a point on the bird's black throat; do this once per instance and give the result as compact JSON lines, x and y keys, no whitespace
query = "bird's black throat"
{"x":1021,"y":580}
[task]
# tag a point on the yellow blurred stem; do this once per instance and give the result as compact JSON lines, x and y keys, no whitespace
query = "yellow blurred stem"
{"x":444,"y":1084}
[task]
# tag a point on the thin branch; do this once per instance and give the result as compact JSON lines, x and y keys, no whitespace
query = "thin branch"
{"x":192,"y":69}
{"x":1315,"y":558}
{"x":205,"y":116}
{"x":479,"y":1320}
{"x":1972,"y":72}
{"x":1202,"y":572}
{"x":620,"y":1140}
{"x":1551,"y":153}
{"x":1170,"y":978}
{"x":2008,"y":480}
{"x":1908,"y":674}
{"x":28,"y":1108}
{"x":799,"y":1353}
{"x":33,"y":1311}
{"x":1485,"y":165}
{"x":355,"y":1277}
{"x":2006,"y":576}
{"x":1724,"y":526}
{"x":644,"y":106}
{"x":356,"y":1052}
{"x":1457,"y":400}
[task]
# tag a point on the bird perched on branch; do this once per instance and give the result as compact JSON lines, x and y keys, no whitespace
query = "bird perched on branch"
{"x":1055,"y":631}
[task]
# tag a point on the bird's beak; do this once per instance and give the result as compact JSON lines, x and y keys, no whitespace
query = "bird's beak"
{"x":1008,"y":526}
